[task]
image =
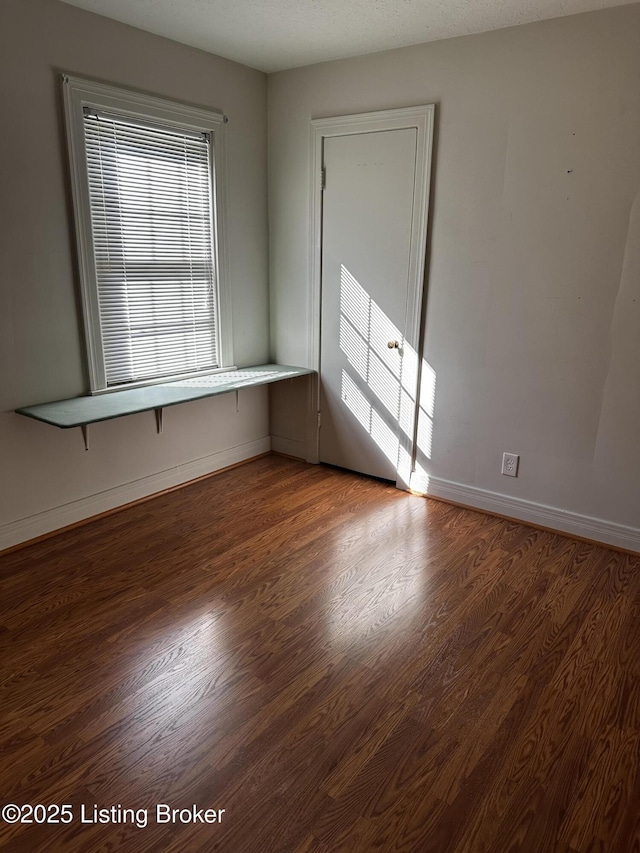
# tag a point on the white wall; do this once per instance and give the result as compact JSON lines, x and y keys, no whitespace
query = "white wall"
{"x":533,"y":310}
{"x":46,"y":478}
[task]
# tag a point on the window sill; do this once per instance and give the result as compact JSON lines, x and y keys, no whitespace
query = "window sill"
{"x":82,"y":411}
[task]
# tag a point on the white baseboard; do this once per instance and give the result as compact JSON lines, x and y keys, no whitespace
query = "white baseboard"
{"x":33,"y":526}
{"x":289,"y":446}
{"x":607,"y":532}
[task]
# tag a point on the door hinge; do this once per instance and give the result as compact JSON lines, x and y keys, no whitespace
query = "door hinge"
{"x":319,"y":419}
{"x":323,"y":177}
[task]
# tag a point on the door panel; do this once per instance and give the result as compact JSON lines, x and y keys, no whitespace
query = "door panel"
{"x":366,"y":248}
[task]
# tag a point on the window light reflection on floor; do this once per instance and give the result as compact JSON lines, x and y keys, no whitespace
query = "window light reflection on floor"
{"x":200,"y":644}
{"x":388,"y":599}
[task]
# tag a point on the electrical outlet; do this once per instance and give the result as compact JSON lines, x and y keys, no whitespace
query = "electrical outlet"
{"x":510,"y":464}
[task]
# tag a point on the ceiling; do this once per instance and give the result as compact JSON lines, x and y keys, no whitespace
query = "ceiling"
{"x":273,"y":35}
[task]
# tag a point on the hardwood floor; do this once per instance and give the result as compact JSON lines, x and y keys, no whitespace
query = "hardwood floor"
{"x":338,"y":665}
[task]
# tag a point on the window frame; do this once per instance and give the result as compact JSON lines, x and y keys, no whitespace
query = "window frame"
{"x":80,"y":93}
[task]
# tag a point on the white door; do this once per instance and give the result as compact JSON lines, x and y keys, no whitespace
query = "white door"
{"x":367,"y":367}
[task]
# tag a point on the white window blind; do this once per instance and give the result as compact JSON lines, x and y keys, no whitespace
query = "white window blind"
{"x":150,"y":191}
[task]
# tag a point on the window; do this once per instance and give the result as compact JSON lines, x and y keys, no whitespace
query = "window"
{"x":148,"y":198}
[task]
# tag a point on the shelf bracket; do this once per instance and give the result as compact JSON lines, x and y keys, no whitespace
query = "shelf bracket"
{"x":85,"y":435}
{"x":158,"y":421}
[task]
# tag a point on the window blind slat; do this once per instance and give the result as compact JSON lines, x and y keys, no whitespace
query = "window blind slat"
{"x":151,"y":217}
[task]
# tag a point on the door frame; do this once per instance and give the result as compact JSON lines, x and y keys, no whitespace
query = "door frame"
{"x":422,"y":119}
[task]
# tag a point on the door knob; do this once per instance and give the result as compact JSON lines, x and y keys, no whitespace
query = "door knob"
{"x":394,"y":345}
